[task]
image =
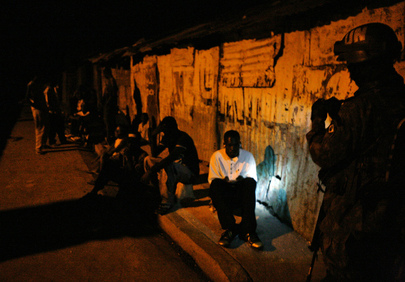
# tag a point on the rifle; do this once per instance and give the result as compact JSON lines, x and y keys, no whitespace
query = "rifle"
{"x":316,"y":240}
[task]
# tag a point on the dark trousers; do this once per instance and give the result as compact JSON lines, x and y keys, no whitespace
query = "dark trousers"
{"x":112,"y":169}
{"x":110,"y":124}
{"x":57,"y":127}
{"x":229,"y":197}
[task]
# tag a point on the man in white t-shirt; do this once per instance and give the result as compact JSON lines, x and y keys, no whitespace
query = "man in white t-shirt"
{"x":232,"y":177}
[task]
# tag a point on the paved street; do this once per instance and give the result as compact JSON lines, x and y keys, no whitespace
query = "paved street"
{"x":48,"y":233}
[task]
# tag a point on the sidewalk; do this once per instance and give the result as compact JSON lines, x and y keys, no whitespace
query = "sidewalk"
{"x":48,"y":232}
{"x":196,"y":230}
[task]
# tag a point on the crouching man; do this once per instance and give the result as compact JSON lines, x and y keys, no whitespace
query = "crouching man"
{"x":232,"y":177}
{"x":121,"y":163}
{"x":180,"y":166}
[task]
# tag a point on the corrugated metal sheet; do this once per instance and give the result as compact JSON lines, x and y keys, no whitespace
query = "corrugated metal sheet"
{"x":249,"y":63}
{"x":144,"y":78}
{"x":275,"y":114}
{"x":125,"y":99}
{"x":105,"y":57}
{"x":188,"y":92}
{"x":278,"y":118}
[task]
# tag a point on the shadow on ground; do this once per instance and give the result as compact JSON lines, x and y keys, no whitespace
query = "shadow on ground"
{"x":9,"y":113}
{"x":32,"y":230}
{"x":37,"y":229}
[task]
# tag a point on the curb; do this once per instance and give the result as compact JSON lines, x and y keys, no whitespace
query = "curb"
{"x":216,"y":263}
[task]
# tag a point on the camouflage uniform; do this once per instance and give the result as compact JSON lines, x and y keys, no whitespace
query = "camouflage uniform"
{"x":360,"y":229}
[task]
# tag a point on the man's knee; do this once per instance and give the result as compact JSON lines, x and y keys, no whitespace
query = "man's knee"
{"x":147,"y":163}
{"x":217,"y":187}
{"x":217,"y":184}
{"x":247,"y":190}
{"x":249,"y":183}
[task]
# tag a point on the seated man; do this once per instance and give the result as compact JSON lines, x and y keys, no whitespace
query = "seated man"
{"x":143,"y":129}
{"x":122,"y":163}
{"x":181,"y":165}
{"x":232,"y":177}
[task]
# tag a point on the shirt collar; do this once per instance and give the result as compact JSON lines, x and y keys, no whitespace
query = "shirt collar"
{"x":235,"y":159}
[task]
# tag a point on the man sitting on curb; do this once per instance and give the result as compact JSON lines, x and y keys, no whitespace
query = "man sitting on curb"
{"x":232,"y":177}
{"x":121,"y":163}
{"x":181,"y":165}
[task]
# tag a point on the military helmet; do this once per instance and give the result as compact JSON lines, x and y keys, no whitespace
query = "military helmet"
{"x":368,"y":42}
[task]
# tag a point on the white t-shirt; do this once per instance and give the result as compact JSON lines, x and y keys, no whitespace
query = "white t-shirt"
{"x":221,"y":165}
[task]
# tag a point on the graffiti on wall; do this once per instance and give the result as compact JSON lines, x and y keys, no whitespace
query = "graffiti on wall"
{"x":250,"y":63}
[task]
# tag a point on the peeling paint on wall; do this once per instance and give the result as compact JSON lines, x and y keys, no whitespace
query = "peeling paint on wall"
{"x":145,"y":78}
{"x":264,"y":94}
{"x":250,"y":63}
{"x":188,"y":91}
{"x":125,"y":99}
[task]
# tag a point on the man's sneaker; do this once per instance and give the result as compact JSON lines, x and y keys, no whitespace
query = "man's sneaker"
{"x":253,"y":240}
{"x":90,"y":196}
{"x":226,"y":238}
{"x":163,"y":209}
{"x":186,"y":202}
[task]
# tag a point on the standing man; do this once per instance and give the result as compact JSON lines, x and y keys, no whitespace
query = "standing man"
{"x":363,"y":206}
{"x":56,"y":118}
{"x":232,"y":177}
{"x":36,"y":96}
{"x":180,"y":165}
{"x":108,"y":104}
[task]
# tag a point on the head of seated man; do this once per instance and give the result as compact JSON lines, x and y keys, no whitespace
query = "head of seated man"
{"x":232,"y":143}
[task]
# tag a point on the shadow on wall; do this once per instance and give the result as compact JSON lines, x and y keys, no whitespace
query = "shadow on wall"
{"x":268,"y":191}
{"x":265,"y":172}
{"x":277,"y":201}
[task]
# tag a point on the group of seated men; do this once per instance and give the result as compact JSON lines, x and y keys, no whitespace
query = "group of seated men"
{"x":232,"y":175}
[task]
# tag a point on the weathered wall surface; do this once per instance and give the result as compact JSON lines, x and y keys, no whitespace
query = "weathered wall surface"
{"x":264,"y":89}
{"x":318,"y":76}
{"x":144,"y":86}
{"x":126,"y":103}
{"x":188,"y":91}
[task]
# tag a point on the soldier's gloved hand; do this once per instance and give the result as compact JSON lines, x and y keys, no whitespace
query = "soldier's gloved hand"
{"x":319,"y":110}
{"x":333,"y":106}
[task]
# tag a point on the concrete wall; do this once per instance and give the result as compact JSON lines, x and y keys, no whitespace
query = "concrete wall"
{"x":264,"y":89}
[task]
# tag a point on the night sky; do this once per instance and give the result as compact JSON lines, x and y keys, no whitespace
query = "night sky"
{"x":46,"y":35}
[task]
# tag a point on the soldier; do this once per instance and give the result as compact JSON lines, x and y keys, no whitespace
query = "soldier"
{"x":363,"y":210}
